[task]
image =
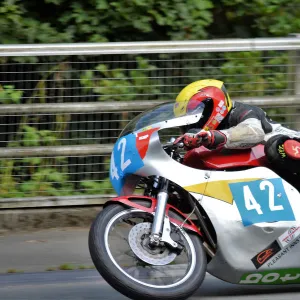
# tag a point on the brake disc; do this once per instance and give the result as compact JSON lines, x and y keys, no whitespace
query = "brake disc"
{"x":138,"y":239}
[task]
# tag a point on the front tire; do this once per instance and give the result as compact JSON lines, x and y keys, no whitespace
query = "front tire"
{"x":145,"y":282}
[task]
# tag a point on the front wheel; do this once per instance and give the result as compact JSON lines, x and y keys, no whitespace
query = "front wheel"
{"x":120,"y":249}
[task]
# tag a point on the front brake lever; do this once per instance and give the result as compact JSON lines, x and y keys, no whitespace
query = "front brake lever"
{"x":180,"y":145}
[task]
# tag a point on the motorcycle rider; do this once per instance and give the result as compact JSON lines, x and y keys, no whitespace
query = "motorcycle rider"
{"x":227,"y":124}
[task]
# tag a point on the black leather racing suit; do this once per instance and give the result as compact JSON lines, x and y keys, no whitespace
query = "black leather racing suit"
{"x":246,"y":126}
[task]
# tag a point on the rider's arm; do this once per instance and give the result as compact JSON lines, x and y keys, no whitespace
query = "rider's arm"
{"x":244,"y":135}
{"x":246,"y":128}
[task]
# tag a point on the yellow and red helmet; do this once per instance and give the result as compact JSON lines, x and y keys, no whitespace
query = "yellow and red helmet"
{"x":209,"y":93}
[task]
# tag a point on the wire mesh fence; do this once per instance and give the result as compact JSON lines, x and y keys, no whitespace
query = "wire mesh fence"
{"x":142,"y":78}
{"x":54,"y":176}
{"x":145,"y":77}
{"x":60,"y":129}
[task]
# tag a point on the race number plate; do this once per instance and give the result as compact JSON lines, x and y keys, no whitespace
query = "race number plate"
{"x":125,"y":159}
{"x":262,"y":201}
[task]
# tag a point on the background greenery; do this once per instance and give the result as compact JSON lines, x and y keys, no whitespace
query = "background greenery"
{"x":66,"y":21}
{"x":48,"y":21}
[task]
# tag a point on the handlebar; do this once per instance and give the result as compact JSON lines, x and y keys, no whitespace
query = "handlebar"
{"x":171,"y":147}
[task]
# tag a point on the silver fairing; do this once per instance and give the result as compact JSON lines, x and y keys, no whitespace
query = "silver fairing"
{"x":273,"y":207}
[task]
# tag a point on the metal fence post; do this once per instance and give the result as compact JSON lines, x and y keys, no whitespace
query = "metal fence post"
{"x":294,"y":84}
{"x":297,"y":85}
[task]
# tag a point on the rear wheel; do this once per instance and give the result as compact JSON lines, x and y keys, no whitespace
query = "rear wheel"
{"x":120,"y":250}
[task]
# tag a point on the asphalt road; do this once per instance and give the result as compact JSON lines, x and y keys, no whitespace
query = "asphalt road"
{"x":40,"y":250}
{"x":88,"y":285}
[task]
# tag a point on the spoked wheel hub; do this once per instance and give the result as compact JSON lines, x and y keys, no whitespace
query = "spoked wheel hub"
{"x":139,"y":241}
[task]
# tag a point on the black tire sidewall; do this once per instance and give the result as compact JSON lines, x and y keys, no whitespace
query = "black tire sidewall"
{"x":124,"y":284}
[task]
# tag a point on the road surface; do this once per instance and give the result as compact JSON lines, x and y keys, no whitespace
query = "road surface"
{"x":88,"y":285}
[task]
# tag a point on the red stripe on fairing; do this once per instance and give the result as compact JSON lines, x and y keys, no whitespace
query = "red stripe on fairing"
{"x":142,"y":141}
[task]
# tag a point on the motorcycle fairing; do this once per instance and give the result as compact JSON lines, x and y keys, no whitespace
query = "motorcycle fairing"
{"x":237,"y":243}
{"x":130,"y":150}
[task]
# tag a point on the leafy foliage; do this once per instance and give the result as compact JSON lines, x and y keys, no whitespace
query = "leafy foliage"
{"x":245,"y":70}
{"x":93,"y":187}
{"x":19,"y":24}
{"x":9,"y":95}
{"x":258,"y":18}
{"x":49,"y":21}
{"x":34,"y":137}
{"x":29,"y":176}
{"x":118,"y":84}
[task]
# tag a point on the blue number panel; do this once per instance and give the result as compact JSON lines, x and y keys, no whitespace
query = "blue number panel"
{"x":265,"y":199}
{"x":130,"y":153}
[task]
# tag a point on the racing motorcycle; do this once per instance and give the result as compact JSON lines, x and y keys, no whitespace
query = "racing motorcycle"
{"x":181,"y":214}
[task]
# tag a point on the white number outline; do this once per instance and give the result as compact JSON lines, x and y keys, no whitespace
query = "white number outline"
{"x":125,"y":164}
{"x":113,"y":168}
{"x":272,"y":205}
{"x":251,"y":203}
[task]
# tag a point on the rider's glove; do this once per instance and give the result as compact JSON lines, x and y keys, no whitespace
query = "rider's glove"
{"x":212,"y":139}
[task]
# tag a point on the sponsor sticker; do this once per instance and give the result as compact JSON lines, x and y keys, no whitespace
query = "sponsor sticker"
{"x":284,"y":276}
{"x":290,"y":235}
{"x":281,"y":151}
{"x":219,"y":117}
{"x":285,"y":251}
{"x":221,"y":103}
{"x":263,"y":256}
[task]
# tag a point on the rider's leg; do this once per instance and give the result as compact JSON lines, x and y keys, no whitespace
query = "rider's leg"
{"x":283,"y":160}
{"x":281,"y":151}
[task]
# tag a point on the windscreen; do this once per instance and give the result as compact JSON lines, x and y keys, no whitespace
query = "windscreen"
{"x":159,"y":113}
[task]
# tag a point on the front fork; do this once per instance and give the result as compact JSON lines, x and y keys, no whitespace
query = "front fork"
{"x":162,"y":199}
{"x":161,"y":221}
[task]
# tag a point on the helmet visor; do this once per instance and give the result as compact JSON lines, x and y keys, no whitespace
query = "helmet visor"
{"x":194,"y":105}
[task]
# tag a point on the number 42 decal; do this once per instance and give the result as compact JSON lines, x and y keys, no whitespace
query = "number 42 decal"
{"x":124,"y":164}
{"x":125,"y":159}
{"x":262,"y":201}
{"x":251,"y":203}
